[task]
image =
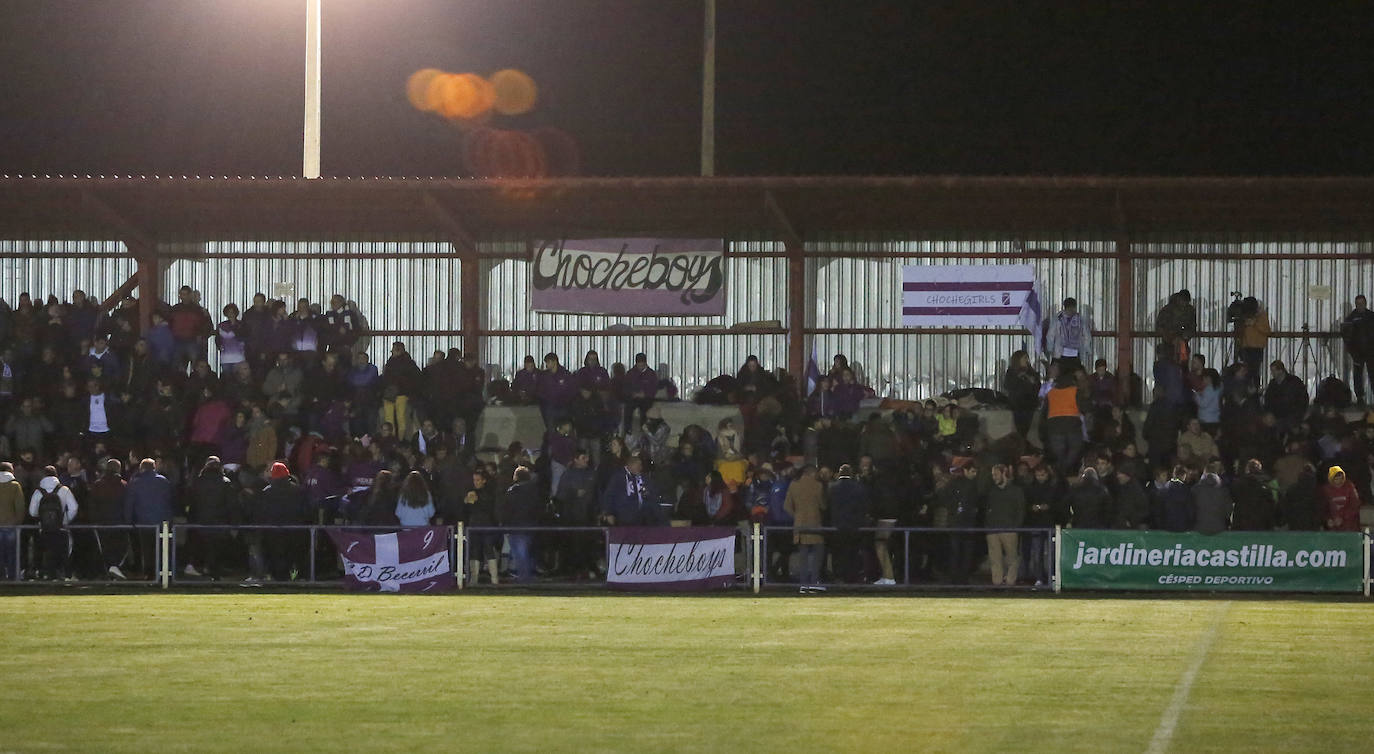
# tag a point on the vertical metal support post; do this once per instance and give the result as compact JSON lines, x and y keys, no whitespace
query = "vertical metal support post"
{"x":314,"y":533}
{"x":165,"y":535}
{"x":1367,"y":575}
{"x":459,"y":546}
{"x":906,"y":558}
{"x":18,"y":551}
{"x":310,"y":163}
{"x":1054,"y":566}
{"x":796,"y":315}
{"x":470,"y":303}
{"x":1125,"y":318}
{"x":758,"y":573}
{"x":149,"y":291}
{"x":708,"y":91}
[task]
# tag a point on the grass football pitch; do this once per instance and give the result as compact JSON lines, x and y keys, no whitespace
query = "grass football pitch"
{"x":488,"y":673}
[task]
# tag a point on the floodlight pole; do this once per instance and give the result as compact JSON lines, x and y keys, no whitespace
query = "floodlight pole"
{"x":311,"y":166}
{"x":708,"y":92}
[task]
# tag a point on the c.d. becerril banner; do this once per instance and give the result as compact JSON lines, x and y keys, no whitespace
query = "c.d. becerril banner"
{"x":666,"y":558}
{"x":629,"y":276}
{"x":410,"y":560}
{"x":1230,"y":561}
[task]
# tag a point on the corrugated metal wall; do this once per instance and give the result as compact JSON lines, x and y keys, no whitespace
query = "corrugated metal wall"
{"x":393,"y":294}
{"x":1296,"y":292}
{"x":866,"y":293}
{"x":844,"y":292}
{"x":60,"y":267}
{"x":756,"y":290}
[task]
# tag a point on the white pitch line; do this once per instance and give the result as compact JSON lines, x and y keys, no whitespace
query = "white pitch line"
{"x":1169,"y":722}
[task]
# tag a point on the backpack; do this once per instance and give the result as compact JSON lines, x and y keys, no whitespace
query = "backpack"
{"x":50,"y":515}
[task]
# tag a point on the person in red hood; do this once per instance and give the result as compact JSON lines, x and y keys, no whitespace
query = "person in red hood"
{"x":1342,"y":502}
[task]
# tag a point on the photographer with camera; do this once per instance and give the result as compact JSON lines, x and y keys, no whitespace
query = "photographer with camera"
{"x":1251,"y":324}
{"x":1357,"y":331}
{"x":1177,"y":324}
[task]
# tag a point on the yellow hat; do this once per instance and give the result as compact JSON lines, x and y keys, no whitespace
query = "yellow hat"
{"x":1331,"y":475}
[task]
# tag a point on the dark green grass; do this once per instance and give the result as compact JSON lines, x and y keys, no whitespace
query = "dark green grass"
{"x":293,"y":672}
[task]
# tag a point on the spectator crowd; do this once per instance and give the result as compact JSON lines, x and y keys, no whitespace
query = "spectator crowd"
{"x":110,"y":429}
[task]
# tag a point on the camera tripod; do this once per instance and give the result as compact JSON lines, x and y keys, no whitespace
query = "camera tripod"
{"x":1305,"y":354}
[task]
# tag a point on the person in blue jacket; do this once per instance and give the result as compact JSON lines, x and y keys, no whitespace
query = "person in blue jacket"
{"x":629,"y":498}
{"x":148,"y":502}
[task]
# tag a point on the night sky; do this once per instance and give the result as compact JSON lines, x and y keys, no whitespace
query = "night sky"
{"x":804,"y":86}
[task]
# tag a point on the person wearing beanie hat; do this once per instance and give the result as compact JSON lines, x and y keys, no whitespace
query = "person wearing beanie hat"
{"x":281,"y":502}
{"x":1341,"y":500}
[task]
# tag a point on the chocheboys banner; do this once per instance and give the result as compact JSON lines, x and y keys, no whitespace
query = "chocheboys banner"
{"x":629,"y":276}
{"x":970,"y":296}
{"x":1230,"y":561}
{"x":410,"y":560}
{"x":666,"y":558}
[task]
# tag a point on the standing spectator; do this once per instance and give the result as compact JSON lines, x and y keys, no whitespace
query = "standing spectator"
{"x":1342,"y":502}
{"x":639,"y":387}
{"x":1254,"y":336}
{"x":1022,"y":386}
{"x":280,"y":503}
{"x":28,"y":428}
{"x":415,"y":507}
{"x":229,"y":339}
{"x":148,"y":503}
{"x":1064,"y":423}
{"x":482,"y":509}
{"x":522,"y":509}
{"x":1285,"y":396}
{"x":849,"y":395}
{"x":1131,"y":509}
{"x":1177,"y":324}
{"x":105,"y":508}
{"x":1070,"y":339}
{"x":588,"y":414}
{"x":805,"y":502}
{"x":1255,"y":496}
{"x":191,"y":326}
{"x":821,"y":403}
{"x":555,"y":387}
{"x":576,"y":498}
{"x":1045,"y":510}
{"x":214,"y":502}
{"x":1090,"y":504}
{"x":1006,"y":510}
{"x":401,"y":371}
{"x":284,"y":387}
{"x":1357,"y":332}
{"x":1301,"y":504}
{"x":54,"y":505}
{"x":1208,"y":400}
{"x":629,"y":499}
{"x":342,"y":326}
{"x":12,"y":511}
{"x":1174,"y":503}
{"x":1211,"y":505}
{"x":304,"y":327}
{"x":848,"y":505}
{"x":101,"y":413}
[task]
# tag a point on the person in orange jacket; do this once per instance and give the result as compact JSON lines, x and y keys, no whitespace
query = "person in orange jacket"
{"x":1342,"y":502}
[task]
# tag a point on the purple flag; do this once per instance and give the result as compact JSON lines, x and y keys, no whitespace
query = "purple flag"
{"x":409,"y":560}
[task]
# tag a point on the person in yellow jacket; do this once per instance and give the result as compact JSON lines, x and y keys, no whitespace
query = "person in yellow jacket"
{"x":12,"y":510}
{"x":1254,"y":336}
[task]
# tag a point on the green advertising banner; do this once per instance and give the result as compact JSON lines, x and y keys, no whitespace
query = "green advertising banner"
{"x":1231,"y":561}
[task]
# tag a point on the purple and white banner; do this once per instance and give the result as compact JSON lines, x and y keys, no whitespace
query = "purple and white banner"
{"x":670,"y":558}
{"x":410,"y":560}
{"x":629,"y":276}
{"x":969,"y":295}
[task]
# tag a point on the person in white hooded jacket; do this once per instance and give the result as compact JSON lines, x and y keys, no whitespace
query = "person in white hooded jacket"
{"x":56,"y":543}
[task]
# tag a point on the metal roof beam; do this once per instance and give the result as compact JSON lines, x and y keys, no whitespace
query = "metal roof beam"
{"x":456,"y":231}
{"x":140,"y":243}
{"x":790,"y":236}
